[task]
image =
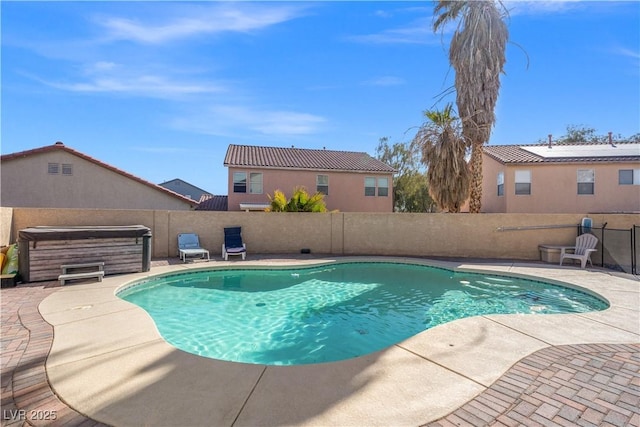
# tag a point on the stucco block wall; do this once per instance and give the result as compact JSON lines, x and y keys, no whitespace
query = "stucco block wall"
{"x":6,"y":223}
{"x":425,"y":235}
{"x":452,"y":235}
{"x":346,"y":189}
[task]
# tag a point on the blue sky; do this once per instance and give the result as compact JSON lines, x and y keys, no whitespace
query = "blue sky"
{"x":160,"y":89}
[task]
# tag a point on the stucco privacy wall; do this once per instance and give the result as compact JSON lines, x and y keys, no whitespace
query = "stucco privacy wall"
{"x":6,"y":215}
{"x":453,"y":235}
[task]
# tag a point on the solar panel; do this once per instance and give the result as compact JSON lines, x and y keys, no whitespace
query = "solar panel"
{"x":560,"y":151}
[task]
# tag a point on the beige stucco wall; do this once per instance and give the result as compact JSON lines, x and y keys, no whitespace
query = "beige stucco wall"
{"x":6,"y":222}
{"x":343,"y":233}
{"x":490,"y":200}
{"x":554,"y":189}
{"x":27,"y":183}
{"x":346,"y":189}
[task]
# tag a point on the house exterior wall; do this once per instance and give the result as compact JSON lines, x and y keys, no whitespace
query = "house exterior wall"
{"x":554,"y":188}
{"x":346,"y":189}
{"x":27,"y":183}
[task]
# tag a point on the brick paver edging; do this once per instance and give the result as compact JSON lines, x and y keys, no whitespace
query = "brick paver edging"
{"x":570,"y":385}
{"x":27,"y":397}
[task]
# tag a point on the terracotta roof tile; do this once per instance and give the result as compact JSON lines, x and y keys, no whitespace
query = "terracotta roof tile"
{"x":209,"y":202}
{"x":301,"y":158}
{"x":60,"y":146}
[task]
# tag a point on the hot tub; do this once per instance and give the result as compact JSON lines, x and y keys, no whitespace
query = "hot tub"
{"x":43,"y":250}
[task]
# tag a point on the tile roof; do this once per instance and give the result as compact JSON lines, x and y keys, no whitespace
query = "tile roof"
{"x":302,"y":158}
{"x":60,"y":146}
{"x":209,"y":202}
{"x":570,"y":153}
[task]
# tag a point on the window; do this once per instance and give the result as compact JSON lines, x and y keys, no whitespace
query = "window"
{"x":369,"y":186}
{"x":239,"y":182}
{"x":500,"y":183}
{"x":67,"y":169}
{"x":383,"y":187}
{"x":322,"y":184}
{"x":523,"y":182}
{"x":586,"y":179}
{"x":629,"y":177}
{"x":53,"y":168}
{"x":255,"y":183}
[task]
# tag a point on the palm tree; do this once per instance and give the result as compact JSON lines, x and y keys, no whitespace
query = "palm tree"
{"x":443,"y":152}
{"x":477,"y":54}
{"x":300,"y":201}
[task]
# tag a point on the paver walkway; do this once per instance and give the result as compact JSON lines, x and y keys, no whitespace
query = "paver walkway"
{"x":586,"y":385}
{"x":570,"y":385}
{"x":27,"y":398}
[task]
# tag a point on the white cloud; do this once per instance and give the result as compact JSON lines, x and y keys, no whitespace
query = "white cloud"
{"x":535,"y":7}
{"x":242,"y":121}
{"x":219,"y":18}
{"x":629,"y":53}
{"x":149,"y":85}
{"x":385,"y":81}
{"x":419,"y":31}
{"x":109,"y":77}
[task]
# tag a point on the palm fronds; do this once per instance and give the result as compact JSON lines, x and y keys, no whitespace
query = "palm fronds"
{"x":443,"y":152}
{"x":300,"y":201}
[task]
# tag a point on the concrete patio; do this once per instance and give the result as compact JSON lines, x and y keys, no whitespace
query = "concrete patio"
{"x":108,"y":364}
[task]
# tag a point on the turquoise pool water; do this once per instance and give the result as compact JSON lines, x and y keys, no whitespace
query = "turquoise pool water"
{"x":330,"y":313}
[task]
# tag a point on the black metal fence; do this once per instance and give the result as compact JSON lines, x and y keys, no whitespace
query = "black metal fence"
{"x":617,"y":248}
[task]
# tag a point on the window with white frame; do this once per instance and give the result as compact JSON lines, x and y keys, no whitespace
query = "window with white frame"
{"x":369,"y":186}
{"x":523,"y":182}
{"x":322,"y":184}
{"x":67,"y":169}
{"x":239,"y":182}
{"x":500,"y":182}
{"x":629,"y":177}
{"x":255,"y":183}
{"x":586,"y":180}
{"x":383,"y":187}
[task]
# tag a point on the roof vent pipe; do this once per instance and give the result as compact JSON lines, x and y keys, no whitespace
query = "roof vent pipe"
{"x":611,"y":140}
{"x":549,"y":140}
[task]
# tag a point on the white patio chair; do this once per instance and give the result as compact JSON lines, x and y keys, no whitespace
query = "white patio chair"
{"x":585,"y":246}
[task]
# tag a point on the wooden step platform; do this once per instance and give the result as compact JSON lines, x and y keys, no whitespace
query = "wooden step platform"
{"x":82,"y":271}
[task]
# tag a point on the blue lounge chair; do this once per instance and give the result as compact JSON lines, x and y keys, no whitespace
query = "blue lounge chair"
{"x":189,"y":245}
{"x":233,"y":244}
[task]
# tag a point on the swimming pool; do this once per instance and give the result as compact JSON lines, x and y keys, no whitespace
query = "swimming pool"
{"x":332,"y":312}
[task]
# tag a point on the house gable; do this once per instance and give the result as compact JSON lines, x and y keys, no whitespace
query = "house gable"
{"x":58,"y":176}
{"x":184,"y":188}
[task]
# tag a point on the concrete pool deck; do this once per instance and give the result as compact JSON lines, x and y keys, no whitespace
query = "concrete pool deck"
{"x":109,"y":363}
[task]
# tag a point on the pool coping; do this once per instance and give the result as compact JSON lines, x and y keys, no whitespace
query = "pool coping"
{"x":138,"y":379}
